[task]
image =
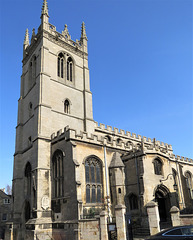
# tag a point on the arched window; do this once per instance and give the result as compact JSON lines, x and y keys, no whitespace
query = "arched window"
{"x":28,"y":176}
{"x":133,"y":201}
{"x":58,"y":174}
{"x":66,"y":106}
{"x":93,"y":175}
{"x":188,"y":177}
{"x":69,"y":69}
{"x":158,"y":167}
{"x":61,"y":65}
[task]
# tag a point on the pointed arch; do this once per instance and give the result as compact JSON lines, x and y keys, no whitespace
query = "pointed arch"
{"x":61,"y":65}
{"x":93,"y":179}
{"x":164,"y":191}
{"x":67,"y":106}
{"x":158,"y":166}
{"x":58,"y":173}
{"x":69,"y":69}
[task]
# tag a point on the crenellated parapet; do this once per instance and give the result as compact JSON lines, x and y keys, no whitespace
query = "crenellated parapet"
{"x":73,"y":135}
{"x":102,"y":128}
{"x":181,"y":159}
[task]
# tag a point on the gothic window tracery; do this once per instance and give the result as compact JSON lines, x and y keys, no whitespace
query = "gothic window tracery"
{"x":188,"y":177}
{"x":61,"y":65}
{"x":157,"y":166}
{"x":93,"y":175}
{"x":58,"y":174}
{"x":69,"y":69}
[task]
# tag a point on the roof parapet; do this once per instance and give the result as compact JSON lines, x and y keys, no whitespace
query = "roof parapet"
{"x":110,"y":130}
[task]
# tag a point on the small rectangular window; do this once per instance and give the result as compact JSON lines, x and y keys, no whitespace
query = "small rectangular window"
{"x":6,"y":201}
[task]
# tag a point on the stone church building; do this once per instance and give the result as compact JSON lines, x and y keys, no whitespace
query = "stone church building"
{"x":72,"y":175}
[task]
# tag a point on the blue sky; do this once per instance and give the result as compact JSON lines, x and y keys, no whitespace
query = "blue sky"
{"x":140,"y":61}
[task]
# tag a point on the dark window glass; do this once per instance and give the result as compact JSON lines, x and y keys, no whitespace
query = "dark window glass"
{"x":62,"y":67}
{"x":58,"y":174}
{"x":66,"y":106}
{"x":93,"y":175}
{"x":28,"y":177}
{"x":93,"y":194}
{"x":176,"y":232}
{"x":98,"y":177}
{"x":133,"y":201}
{"x":68,"y":70}
{"x":157,"y":167}
{"x":187,"y":231}
{"x":58,"y":67}
{"x":71,"y":72}
{"x":87,"y":173}
{"x":92,"y":172}
{"x":99,"y":194}
{"x":27,"y":211}
{"x":88,"y":194}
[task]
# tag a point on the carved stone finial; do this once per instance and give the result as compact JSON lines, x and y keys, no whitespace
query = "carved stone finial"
{"x":83,"y":32}
{"x":45,"y":8}
{"x":26,"y":39}
{"x":65,"y":32}
{"x":33,"y":34}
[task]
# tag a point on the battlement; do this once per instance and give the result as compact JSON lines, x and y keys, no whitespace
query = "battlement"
{"x":133,"y":136}
{"x":181,"y":159}
{"x":72,"y":134}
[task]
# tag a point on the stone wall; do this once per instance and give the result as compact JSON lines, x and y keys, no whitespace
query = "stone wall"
{"x":89,"y":229}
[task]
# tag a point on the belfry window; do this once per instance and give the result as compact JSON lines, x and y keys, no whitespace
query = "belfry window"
{"x":157,"y":167}
{"x":188,"y":177}
{"x":28,"y":176}
{"x":69,"y":69}
{"x":66,"y":106}
{"x":58,"y":174}
{"x":61,"y":65}
{"x":93,"y":175}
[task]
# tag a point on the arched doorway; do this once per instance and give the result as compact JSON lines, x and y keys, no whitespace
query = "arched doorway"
{"x":162,"y":197}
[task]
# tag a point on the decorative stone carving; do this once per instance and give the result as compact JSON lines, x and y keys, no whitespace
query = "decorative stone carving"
{"x":45,"y":202}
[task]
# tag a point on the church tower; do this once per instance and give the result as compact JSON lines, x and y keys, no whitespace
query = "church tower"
{"x":55,"y":93}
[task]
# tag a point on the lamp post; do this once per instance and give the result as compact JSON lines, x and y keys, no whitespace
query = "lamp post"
{"x":175,"y":186}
